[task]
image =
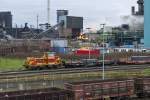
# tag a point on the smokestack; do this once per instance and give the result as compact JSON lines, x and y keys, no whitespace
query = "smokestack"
{"x":140,"y":7}
{"x":48,"y":12}
{"x":133,"y":10}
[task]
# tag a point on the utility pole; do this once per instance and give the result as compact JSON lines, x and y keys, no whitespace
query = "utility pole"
{"x":48,"y":12}
{"x":103,"y":76}
{"x":16,"y":34}
{"x":89,"y":42}
{"x":37,"y":21}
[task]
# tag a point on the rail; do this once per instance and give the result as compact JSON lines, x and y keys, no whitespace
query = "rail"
{"x":14,"y":74}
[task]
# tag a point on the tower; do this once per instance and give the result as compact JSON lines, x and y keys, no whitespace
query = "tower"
{"x":140,"y":7}
{"x":133,"y":10}
{"x":61,"y":13}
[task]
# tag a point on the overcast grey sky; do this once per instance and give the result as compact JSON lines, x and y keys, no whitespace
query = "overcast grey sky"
{"x":93,"y":11}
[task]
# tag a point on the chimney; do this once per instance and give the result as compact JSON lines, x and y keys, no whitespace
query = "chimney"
{"x":140,"y":7}
{"x":133,"y":10}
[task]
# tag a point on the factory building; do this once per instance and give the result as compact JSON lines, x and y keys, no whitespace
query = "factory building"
{"x":129,"y":38}
{"x":72,"y":25}
{"x":131,"y":34}
{"x":6,"y":19}
{"x":123,"y":36}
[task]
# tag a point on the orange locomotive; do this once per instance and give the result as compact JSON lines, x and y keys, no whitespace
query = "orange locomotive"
{"x":49,"y":60}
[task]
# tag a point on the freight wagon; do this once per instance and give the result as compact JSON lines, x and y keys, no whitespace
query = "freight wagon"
{"x":112,"y":89}
{"x":38,"y":94}
{"x":120,"y":89}
{"x":135,"y":60}
{"x":87,"y":53}
{"x":142,"y":86}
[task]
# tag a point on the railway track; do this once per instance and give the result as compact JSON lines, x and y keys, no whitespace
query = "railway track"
{"x":10,"y":81}
{"x":4,"y":75}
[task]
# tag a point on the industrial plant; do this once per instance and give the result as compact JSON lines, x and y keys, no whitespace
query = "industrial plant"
{"x":69,"y":61}
{"x":129,"y":34}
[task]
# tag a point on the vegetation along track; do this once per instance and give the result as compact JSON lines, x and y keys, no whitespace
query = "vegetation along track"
{"x":7,"y":75}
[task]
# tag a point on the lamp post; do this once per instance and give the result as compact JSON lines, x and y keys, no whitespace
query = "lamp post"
{"x":89,"y":42}
{"x":103,"y":76}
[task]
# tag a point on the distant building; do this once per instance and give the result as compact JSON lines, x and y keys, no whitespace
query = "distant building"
{"x":72,"y":27}
{"x":130,"y":34}
{"x":122,"y":35}
{"x":6,"y":19}
{"x":128,"y":38}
